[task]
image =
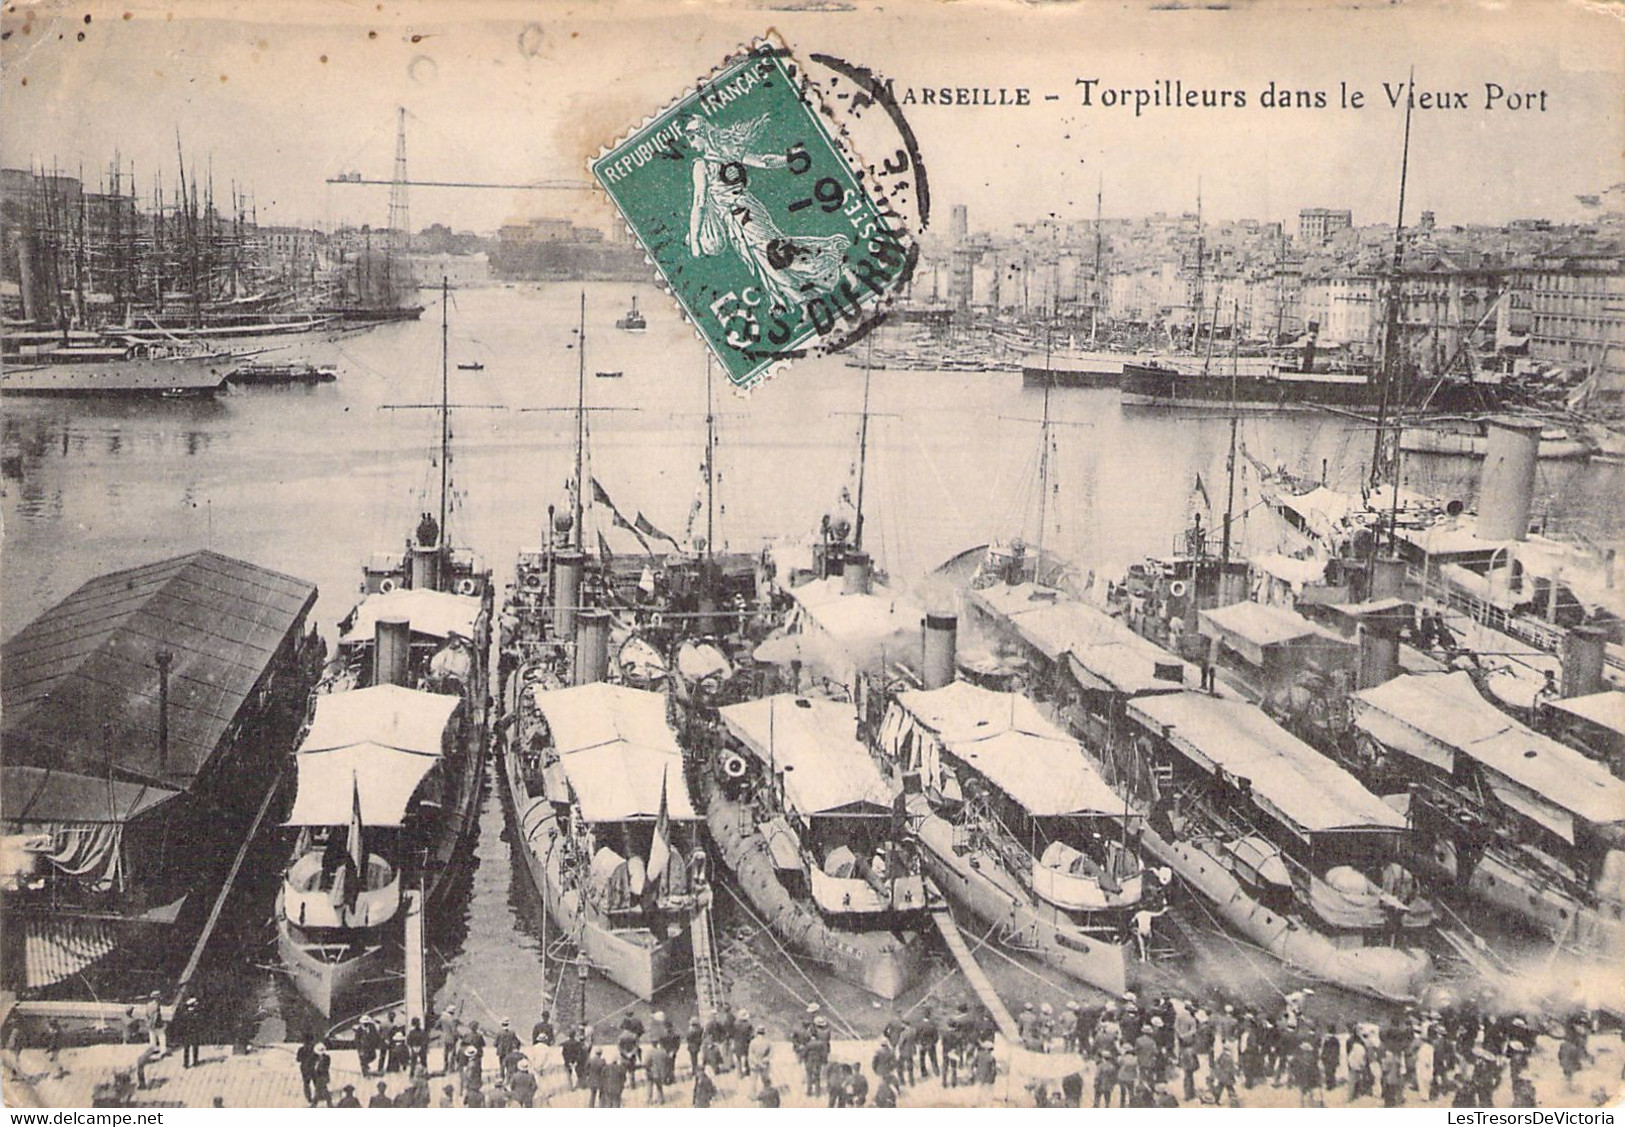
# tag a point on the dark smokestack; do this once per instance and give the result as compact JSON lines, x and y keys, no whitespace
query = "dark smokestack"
{"x":941,"y":636}
{"x":1583,"y":652}
{"x":856,"y":574}
{"x":567,"y":568}
{"x":592,"y":646}
{"x":1507,"y":485}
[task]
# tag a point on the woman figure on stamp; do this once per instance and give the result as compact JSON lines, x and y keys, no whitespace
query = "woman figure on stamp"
{"x":725,"y":215}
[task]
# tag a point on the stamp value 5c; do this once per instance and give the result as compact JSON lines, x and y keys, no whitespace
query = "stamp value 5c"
{"x":762,"y":226}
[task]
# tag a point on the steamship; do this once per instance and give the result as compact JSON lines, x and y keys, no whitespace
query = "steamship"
{"x":390,"y":765}
{"x":811,"y":832}
{"x":599,"y":804}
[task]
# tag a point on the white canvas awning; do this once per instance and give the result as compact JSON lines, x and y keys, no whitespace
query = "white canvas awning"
{"x":383,"y":740}
{"x":1251,"y":628}
{"x":1605,"y":710}
{"x":1303,"y":789}
{"x":856,"y":632}
{"x":617,"y":751}
{"x":1437,"y":718}
{"x":1002,"y":737}
{"x":438,"y":614}
{"x":813,"y":745}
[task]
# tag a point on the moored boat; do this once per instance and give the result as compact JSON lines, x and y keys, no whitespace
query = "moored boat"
{"x":599,"y":800}
{"x":809,"y":828}
{"x":391,"y":765}
{"x":632,"y":320}
{"x":1017,"y":828}
{"x":1290,"y":850}
{"x":389,"y":778}
{"x":1526,"y":825}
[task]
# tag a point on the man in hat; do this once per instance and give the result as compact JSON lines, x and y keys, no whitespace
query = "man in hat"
{"x":1222,"y":1080}
{"x":381,"y":1097}
{"x":157,"y":1028}
{"x":1027,"y":1027}
{"x":321,"y":1076}
{"x":366,"y":1043}
{"x":927,"y":1033}
{"x":761,"y":1057}
{"x":614,"y":1081}
{"x":543,"y":1033}
{"x":417,"y":1046}
{"x":743,"y":1032}
{"x":448,"y":1096}
{"x":305,"y":1058}
{"x":506,"y":1044}
{"x":522,"y":1084}
{"x":694,"y":1040}
{"x":817,"y":1055}
{"x":573,"y":1053}
{"x":472,"y":1073}
{"x":657,"y":1072}
{"x":475,"y":1040}
{"x":450,"y":1036}
{"x":906,"y":1044}
{"x":189,"y":1032}
{"x":593,"y":1074}
{"x":348,"y":1098}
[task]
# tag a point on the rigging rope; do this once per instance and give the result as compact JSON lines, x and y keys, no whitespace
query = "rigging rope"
{"x":850,"y":1029}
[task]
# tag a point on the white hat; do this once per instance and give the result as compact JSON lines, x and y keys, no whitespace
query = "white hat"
{"x":523,"y":1065}
{"x":660,"y":1015}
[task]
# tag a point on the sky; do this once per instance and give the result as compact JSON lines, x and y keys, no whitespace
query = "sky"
{"x":501,"y":92}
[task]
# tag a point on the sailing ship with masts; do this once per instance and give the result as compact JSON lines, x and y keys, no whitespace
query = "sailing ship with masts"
{"x":389,"y":769}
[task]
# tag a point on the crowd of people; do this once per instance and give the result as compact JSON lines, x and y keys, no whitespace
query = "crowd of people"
{"x":1160,"y":1052}
{"x":1138,"y":1054}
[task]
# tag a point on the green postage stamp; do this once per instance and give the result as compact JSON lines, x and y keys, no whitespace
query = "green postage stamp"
{"x":770,"y":236}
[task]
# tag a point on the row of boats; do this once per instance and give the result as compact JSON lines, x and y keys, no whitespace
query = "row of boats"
{"x":787,"y":727}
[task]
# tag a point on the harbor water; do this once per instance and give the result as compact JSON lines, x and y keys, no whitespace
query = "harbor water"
{"x":311,"y":481}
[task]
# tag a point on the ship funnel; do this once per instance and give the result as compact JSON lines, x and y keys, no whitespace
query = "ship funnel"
{"x":1309,"y":346}
{"x":1507,"y":487}
{"x":567,"y":568}
{"x":592,"y":646}
{"x":941,"y":636}
{"x":426,"y":567}
{"x":1583,"y":652}
{"x":1379,"y":651}
{"x":855,"y":576}
{"x":1387,"y":578}
{"x":391,"y":651}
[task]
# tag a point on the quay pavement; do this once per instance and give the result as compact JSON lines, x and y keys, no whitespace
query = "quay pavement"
{"x":268,"y":1076}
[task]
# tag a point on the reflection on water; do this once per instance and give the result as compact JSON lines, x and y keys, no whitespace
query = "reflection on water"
{"x":310,"y":480}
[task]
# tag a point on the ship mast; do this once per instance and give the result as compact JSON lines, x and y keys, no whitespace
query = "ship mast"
{"x":1094,"y":305}
{"x":1201,"y":253}
{"x":1230,"y":460}
{"x":1391,"y":312}
{"x":445,"y":410}
{"x":710,"y":467}
{"x":1043,"y":482}
{"x":581,"y":423}
{"x":863,"y":441}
